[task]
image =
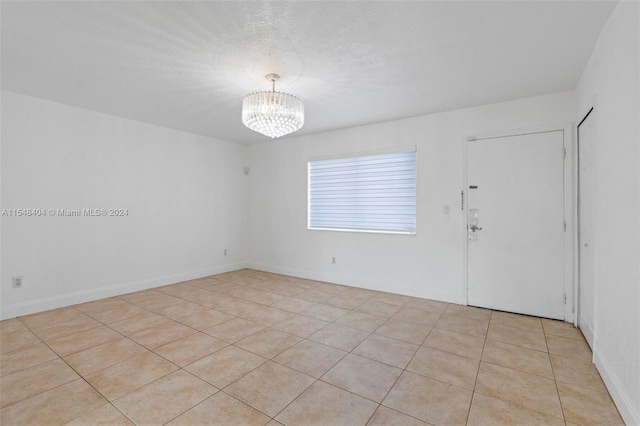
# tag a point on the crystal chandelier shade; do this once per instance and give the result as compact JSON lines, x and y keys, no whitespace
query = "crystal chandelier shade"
{"x":273,"y":114}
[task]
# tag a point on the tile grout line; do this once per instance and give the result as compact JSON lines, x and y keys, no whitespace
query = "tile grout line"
{"x":405,"y":367}
{"x":475,"y":384}
{"x":553,"y":372}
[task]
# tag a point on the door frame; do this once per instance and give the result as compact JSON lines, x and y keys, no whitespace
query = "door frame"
{"x":587,"y":113}
{"x":570,"y":207}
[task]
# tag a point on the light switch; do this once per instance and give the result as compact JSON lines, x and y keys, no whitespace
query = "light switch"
{"x":445,"y":210}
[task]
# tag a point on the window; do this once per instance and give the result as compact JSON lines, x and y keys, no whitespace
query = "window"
{"x":374,"y":193}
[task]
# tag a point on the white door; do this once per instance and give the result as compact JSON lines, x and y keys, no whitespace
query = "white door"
{"x":586,"y":187}
{"x":515,"y":215}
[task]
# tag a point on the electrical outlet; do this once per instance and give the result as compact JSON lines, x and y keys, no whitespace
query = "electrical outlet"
{"x":225,"y":252}
{"x":17,"y":282}
{"x":333,"y":260}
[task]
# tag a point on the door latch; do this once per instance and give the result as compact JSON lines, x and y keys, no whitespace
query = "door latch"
{"x":473,"y":224}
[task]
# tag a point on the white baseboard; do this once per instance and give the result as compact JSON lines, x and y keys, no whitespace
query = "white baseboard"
{"x":629,"y":410}
{"x":425,"y":293}
{"x":61,"y":301}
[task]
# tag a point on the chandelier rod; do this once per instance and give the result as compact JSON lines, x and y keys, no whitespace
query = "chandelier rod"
{"x":272,"y":78}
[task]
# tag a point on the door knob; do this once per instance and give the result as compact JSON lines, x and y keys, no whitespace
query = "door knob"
{"x":474,"y":227}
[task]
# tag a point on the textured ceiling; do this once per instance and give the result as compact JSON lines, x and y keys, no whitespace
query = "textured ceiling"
{"x":187,"y":65}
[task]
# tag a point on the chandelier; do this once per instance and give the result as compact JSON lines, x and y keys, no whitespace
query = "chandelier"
{"x":273,"y":114}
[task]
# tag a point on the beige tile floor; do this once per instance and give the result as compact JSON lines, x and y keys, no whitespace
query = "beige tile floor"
{"x":252,"y":348}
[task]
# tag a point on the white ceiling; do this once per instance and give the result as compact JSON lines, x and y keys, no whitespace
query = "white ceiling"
{"x":187,"y":65}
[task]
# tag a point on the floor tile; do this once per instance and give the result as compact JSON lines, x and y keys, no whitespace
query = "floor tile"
{"x":162,"y":334}
{"x":11,"y":325}
{"x":390,"y":298}
{"x":270,"y":387}
{"x":427,"y":305}
{"x":386,"y":350}
{"x":521,"y":389}
{"x":221,"y":409}
{"x":518,"y":321}
{"x":293,"y":304}
{"x":454,"y":369}
{"x":310,"y":358}
{"x":179,"y":290}
{"x":258,"y":296}
{"x":267,"y":315}
{"x":463,"y":325}
{"x":286,"y":289}
{"x":13,"y":340}
{"x":138,"y":323}
{"x":587,"y":407}
{"x":362,"y":376}
{"x":64,"y":328}
{"x":56,"y":406}
{"x":337,"y":336}
{"x":300,"y":325}
{"x":268,"y":342}
{"x":181,"y":310}
{"x":455,"y":343}
{"x":518,"y":358}
{"x":164,"y":399}
{"x":117,"y":314}
{"x":470,"y":312}
{"x":416,"y":316}
{"x":404,"y":331}
{"x":328,"y":287}
{"x":361,"y":321}
{"x":362,"y":294}
{"x":225,"y":366}
{"x":234,"y":330}
{"x":385,"y":416}
{"x":102,"y":305}
{"x":46,"y":319}
{"x":142,"y":296}
{"x":127,"y":376}
{"x":104,"y":355}
{"x":577,"y":372}
{"x":561,"y":328}
{"x":314,"y":295}
{"x":380,"y":309}
{"x":24,"y":384}
{"x":190,"y":349}
{"x":517,"y":336}
{"x":491,"y":411}
{"x":205,"y":318}
{"x":84,"y":340}
{"x":21,"y":359}
{"x":429,"y":400}
{"x":569,"y":347}
{"x":344,"y":302}
{"x":324,"y":312}
{"x":232,"y":305}
{"x":159,"y":302}
{"x":322,"y":404}
{"x":107,"y":415}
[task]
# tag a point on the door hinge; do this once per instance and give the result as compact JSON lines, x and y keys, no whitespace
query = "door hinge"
{"x":564,"y":153}
{"x":565,"y":298}
{"x":564,"y":226}
{"x":462,"y":200}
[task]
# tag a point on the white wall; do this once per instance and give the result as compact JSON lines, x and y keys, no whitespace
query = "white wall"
{"x":186,"y":196}
{"x":611,"y":84}
{"x":428,"y":264}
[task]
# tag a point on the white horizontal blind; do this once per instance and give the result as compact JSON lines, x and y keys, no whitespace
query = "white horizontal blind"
{"x":368,"y":193}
